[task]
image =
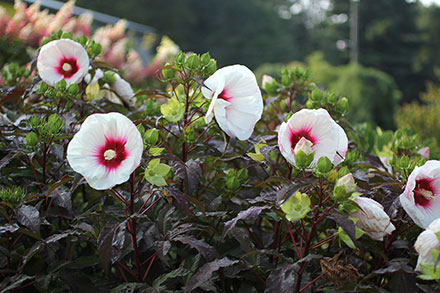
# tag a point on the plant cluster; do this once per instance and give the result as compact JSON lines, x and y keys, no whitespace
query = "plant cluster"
{"x":204,"y":184}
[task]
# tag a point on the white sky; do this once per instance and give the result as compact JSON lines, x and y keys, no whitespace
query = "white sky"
{"x":429,"y":2}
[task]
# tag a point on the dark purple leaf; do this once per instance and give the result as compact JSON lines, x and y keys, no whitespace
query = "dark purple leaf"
{"x":8,"y":158}
{"x":190,"y":172}
{"x":346,"y":224}
{"x":266,"y":196}
{"x":118,"y":242}
{"x":249,"y":214}
{"x":403,"y":282}
{"x":205,"y":272}
{"x":61,"y":198}
{"x":180,"y":201}
{"x":29,"y":217}
{"x":104,"y":243}
{"x":289,"y":190}
{"x":207,"y":251}
{"x":9,"y":228}
{"x":85,"y":227}
{"x":282,"y":279}
{"x":182,"y":229}
{"x":162,"y":248}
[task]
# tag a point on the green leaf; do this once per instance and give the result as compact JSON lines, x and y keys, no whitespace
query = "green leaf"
{"x":173,"y":110}
{"x":155,"y":151}
{"x":162,"y":169}
{"x":296,"y":207}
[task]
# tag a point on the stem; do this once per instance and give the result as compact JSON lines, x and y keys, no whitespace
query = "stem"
{"x":132,"y":229}
{"x":149,"y":267}
{"x":313,"y":281}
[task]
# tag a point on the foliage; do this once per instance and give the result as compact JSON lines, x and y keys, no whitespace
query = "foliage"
{"x":204,"y":211}
{"x":423,"y":118}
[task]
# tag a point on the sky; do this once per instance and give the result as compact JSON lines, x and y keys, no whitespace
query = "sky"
{"x":429,"y":2}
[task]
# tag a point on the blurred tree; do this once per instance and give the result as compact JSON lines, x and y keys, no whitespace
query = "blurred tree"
{"x":246,"y":31}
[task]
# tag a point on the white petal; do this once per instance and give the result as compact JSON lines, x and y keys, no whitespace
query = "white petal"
{"x":285,"y":143}
{"x":426,"y":241}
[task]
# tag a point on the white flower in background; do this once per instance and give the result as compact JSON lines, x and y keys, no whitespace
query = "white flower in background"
{"x":372,"y":218}
{"x":424,"y":152}
{"x":236,"y":100}
{"x":62,"y":59}
{"x":427,"y":241}
{"x":420,"y":198}
{"x":106,"y":150}
{"x":327,"y":137}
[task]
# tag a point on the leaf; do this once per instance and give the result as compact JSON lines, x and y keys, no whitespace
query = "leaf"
{"x":118,"y":242}
{"x":282,"y":279}
{"x":346,"y":224}
{"x":179,"y":272}
{"x":180,"y":200}
{"x":205,"y":272}
{"x":29,"y":217}
{"x":8,"y":158}
{"x":9,"y":228}
{"x":162,"y":248}
{"x":130,"y":288}
{"x":62,"y":198}
{"x":57,"y":184}
{"x":16,"y":281}
{"x":249,"y":214}
{"x":190,"y":172}
{"x":104,"y":243}
{"x":207,"y":251}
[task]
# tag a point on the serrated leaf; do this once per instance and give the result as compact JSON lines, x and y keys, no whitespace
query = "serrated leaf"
{"x":29,"y":217}
{"x":282,"y":279}
{"x":249,"y":214}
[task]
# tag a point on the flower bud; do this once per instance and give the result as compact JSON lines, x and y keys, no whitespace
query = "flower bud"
{"x":344,"y":187}
{"x":342,"y":105}
{"x":424,"y":152}
{"x":109,"y":77}
{"x":42,"y":88}
{"x":205,"y":58}
{"x":51,"y":93}
{"x":61,"y":85}
{"x":426,"y":242}
{"x":55,"y":124}
{"x":324,"y":165}
{"x":168,"y":73}
{"x":180,"y":58}
{"x":73,"y":89}
{"x":372,"y":218}
{"x":316,"y":95}
{"x":269,"y":84}
{"x":96,"y":49}
{"x":304,"y":153}
{"x":211,"y":67}
{"x":192,"y":62}
{"x":151,"y":137}
{"x":31,"y":139}
{"x":34,"y":122}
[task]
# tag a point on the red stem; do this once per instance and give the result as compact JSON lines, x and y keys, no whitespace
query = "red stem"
{"x":149,"y":267}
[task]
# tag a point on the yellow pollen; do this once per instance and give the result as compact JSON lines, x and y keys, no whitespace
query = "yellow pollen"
{"x":109,"y":154}
{"x":67,"y":67}
{"x":426,"y":193}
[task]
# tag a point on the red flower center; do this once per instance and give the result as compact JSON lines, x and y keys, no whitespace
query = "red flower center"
{"x":68,"y":67}
{"x":424,"y":192}
{"x":224,"y":96}
{"x":296,"y":136}
{"x":112,"y":153}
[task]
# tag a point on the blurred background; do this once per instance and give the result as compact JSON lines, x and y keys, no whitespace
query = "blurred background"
{"x":384,"y":55}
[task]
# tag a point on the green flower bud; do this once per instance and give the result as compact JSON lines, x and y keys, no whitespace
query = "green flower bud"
{"x":51,"y":93}
{"x":42,"y":88}
{"x":332,"y":176}
{"x":96,"y":49}
{"x":13,"y":68}
{"x":151,"y":137}
{"x":331,"y":99}
{"x":296,"y":207}
{"x":55,"y":124}
{"x":324,"y":165}
{"x":192,"y":62}
{"x":342,"y":105}
{"x":404,"y":162}
{"x":303,"y":153}
{"x":67,"y":35}
{"x":205,"y":58}
{"x":44,"y":41}
{"x":61,"y":85}
{"x":180,"y":59}
{"x":168,"y":73}
{"x":310,"y":104}
{"x":34,"y":122}
{"x":141,"y":129}
{"x":31,"y":139}
{"x":343,"y":171}
{"x":59,"y":34}
{"x":316,"y":95}
{"x":286,"y":81}
{"x":82,"y":40}
{"x":109,"y":77}
{"x":211,"y":67}
{"x":73,"y":90}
